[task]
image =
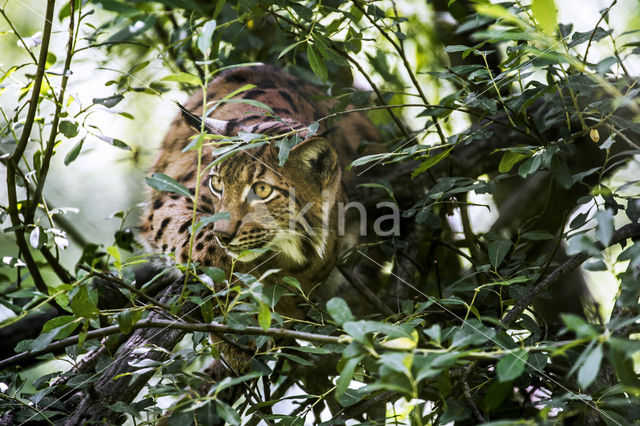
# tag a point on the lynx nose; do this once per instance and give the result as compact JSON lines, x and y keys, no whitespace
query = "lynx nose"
{"x":226,"y":230}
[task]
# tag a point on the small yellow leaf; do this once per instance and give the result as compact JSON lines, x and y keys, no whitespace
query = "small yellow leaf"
{"x":401,"y":343}
{"x":594,"y":135}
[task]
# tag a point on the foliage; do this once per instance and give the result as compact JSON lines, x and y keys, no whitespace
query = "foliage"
{"x":525,"y":117}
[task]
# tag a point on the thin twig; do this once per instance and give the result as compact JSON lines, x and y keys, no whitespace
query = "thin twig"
{"x":140,"y":293}
{"x":593,"y":33}
{"x":631,"y":230}
{"x":467,"y":391}
{"x":406,"y":64}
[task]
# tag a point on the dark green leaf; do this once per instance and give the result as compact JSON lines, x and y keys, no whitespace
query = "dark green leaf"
{"x":430,"y":162}
{"x":530,"y":166}
{"x":497,"y":251}
{"x":84,"y":304}
{"x":109,"y":102}
{"x":561,"y":172}
{"x":604,"y":230}
{"x":68,"y":128}
{"x":73,"y":153}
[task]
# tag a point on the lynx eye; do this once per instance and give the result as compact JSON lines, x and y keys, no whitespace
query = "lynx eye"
{"x":215,"y":184}
{"x":262,"y":190}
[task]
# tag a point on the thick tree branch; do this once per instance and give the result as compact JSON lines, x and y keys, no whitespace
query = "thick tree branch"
{"x":214,"y":328}
{"x":12,"y":162}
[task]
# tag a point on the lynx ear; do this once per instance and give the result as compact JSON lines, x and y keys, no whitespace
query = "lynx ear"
{"x":317,"y":156}
{"x":213,"y":126}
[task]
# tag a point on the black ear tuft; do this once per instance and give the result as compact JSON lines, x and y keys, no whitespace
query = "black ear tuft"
{"x":190,"y":118}
{"x":317,"y":156}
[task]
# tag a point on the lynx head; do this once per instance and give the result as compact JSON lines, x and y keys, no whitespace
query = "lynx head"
{"x":290,"y":210}
{"x":286,"y":209}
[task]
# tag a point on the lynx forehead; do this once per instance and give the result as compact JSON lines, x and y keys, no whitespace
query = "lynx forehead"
{"x":285,"y":215}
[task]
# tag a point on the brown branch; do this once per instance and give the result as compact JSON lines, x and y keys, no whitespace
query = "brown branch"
{"x":631,"y":230}
{"x":140,"y":293}
{"x":467,"y":391}
{"x":12,"y":163}
{"x":48,"y":152}
{"x":365,"y":291}
{"x":213,"y":327}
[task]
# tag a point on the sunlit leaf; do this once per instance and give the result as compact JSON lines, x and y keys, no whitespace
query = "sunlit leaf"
{"x":162,"y":182}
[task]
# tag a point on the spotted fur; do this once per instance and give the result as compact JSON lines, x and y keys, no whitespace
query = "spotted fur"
{"x":288,"y":223}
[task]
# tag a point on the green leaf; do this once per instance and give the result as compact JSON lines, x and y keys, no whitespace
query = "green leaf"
{"x":512,"y":365}
{"x":288,"y":48}
{"x":472,"y":332}
{"x":589,"y":370}
{"x":204,"y":40}
{"x":121,"y":407}
{"x":496,"y":393}
{"x":430,"y":162}
{"x":65,"y":325}
{"x":339,"y":310}
{"x":579,"y":326}
{"x":210,"y":219}
{"x":284,"y":148}
{"x":162,"y":182}
{"x":264,"y":316}
{"x":195,"y":144}
{"x":183,"y":77}
{"x":73,"y":153}
{"x":109,"y":102}
{"x":537,"y":235}
{"x":83,"y":304}
{"x":546,"y":14}
{"x":43,"y":340}
{"x":561,"y":172}
{"x":346,"y":374}
{"x":68,"y":128}
{"x":316,"y":62}
{"x":530,"y":166}
{"x":510,"y":159}
{"x":293,"y":282}
{"x":604,"y":230}
{"x":124,"y":321}
{"x":216,"y":274}
{"x":37,"y":238}
{"x":113,"y":141}
{"x":497,"y":251}
{"x":251,"y":102}
{"x":230,"y":415}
